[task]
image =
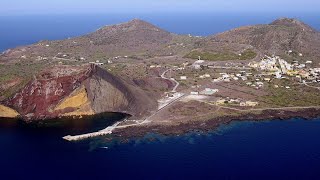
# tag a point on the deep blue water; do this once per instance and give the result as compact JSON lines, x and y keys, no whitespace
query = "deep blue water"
{"x":246,"y":150}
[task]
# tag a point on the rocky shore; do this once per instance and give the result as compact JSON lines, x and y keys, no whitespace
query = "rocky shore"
{"x":209,"y":125}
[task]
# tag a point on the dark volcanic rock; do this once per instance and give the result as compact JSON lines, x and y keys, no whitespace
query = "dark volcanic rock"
{"x":109,"y":93}
{"x":209,"y":125}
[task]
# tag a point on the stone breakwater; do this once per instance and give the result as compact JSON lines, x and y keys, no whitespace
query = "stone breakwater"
{"x":103,"y":132}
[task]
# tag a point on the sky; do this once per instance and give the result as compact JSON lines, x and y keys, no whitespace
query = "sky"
{"x":21,"y":7}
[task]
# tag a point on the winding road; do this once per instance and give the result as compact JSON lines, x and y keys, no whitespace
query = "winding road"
{"x":170,"y":79}
{"x":311,"y":86}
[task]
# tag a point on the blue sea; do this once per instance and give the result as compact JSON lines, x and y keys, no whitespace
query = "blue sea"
{"x":241,"y":150}
{"x":23,"y":30}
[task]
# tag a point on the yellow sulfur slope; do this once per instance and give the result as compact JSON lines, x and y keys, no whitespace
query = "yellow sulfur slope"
{"x":78,"y":99}
{"x":8,"y":112}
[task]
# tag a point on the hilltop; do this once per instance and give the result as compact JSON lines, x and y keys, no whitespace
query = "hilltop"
{"x":130,"y":38}
{"x":278,"y":37}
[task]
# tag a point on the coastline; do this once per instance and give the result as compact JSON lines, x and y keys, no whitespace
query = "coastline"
{"x":212,"y":124}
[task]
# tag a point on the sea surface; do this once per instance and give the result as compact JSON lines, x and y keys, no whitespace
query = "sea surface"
{"x":241,"y":150}
{"x":23,"y":30}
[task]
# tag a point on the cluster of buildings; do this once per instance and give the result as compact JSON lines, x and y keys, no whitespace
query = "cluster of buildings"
{"x":266,"y":64}
{"x":238,"y":102}
{"x":280,"y":68}
{"x":242,"y":75}
{"x":268,"y":69}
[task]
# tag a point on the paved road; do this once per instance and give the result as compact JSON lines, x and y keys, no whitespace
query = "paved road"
{"x":226,"y":67}
{"x":280,"y":108}
{"x":170,"y":79}
{"x":311,"y":86}
{"x":147,"y":120}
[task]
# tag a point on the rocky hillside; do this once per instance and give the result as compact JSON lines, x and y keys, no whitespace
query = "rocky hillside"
{"x":77,"y":90}
{"x":134,"y":35}
{"x":126,"y":39}
{"x":277,"y":37}
{"x":142,"y":39}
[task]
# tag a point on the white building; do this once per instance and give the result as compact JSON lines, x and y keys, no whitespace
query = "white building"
{"x":249,"y":103}
{"x":194,"y":93}
{"x":278,"y":75}
{"x":209,"y":91}
{"x":97,"y":63}
{"x":285,"y":66}
{"x":183,"y":77}
{"x":197,"y":66}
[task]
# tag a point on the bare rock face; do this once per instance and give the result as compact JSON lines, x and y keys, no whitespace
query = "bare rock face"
{"x":109,"y":93}
{"x":106,"y":97}
{"x":46,"y":90}
{"x":79,"y":90}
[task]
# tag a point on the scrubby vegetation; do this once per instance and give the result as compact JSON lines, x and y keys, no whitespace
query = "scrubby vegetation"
{"x":245,"y":55}
{"x":295,"y":96}
{"x":22,"y":72}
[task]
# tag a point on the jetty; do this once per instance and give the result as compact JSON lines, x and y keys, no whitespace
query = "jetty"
{"x":103,"y":132}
